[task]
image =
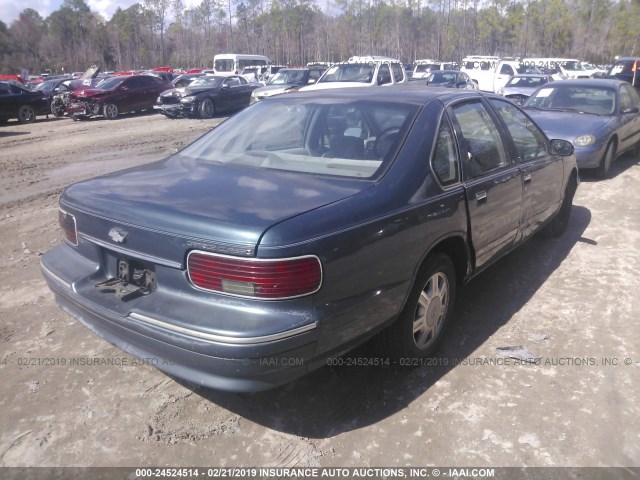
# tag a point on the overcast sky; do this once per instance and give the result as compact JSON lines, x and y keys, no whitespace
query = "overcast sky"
{"x":10,"y":9}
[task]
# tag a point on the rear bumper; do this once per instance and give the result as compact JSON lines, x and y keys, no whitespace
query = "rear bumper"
{"x":223,"y":362}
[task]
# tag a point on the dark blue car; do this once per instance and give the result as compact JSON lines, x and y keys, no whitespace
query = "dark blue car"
{"x":305,"y":225}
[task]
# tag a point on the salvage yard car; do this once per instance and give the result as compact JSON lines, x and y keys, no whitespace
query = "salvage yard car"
{"x":600,"y":117}
{"x":520,"y":87}
{"x":206,"y":96}
{"x":364,"y":71}
{"x":305,"y":225}
{"x":116,"y":95}
{"x":287,"y":80}
{"x":20,"y":103}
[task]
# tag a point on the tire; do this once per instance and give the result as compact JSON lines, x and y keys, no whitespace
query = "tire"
{"x":607,"y":160}
{"x":207,"y":109}
{"x":558,"y":225}
{"x":26,"y":114}
{"x":110,"y":111}
{"x":420,"y":327}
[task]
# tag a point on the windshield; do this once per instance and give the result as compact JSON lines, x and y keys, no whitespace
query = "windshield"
{"x":226,"y":65}
{"x":439,"y":77}
{"x":324,"y":137}
{"x":350,"y":72}
{"x":528,"y":82}
{"x":597,"y":100}
{"x":110,"y":83}
{"x":295,"y":77}
{"x":206,"y":81}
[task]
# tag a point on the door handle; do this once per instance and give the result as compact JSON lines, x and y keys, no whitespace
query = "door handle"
{"x":480,"y":196}
{"x":527,"y":177}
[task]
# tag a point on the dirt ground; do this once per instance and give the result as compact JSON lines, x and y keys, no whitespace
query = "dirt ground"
{"x":573,"y":301}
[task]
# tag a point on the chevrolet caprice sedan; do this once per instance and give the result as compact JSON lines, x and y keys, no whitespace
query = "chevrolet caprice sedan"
{"x":303,"y":226}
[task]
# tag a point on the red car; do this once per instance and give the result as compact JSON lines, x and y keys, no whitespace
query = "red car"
{"x":116,"y":95}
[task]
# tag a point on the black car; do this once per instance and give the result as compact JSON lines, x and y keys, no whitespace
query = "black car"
{"x":206,"y":96}
{"x":305,"y":225}
{"x":20,"y":103}
{"x":626,"y":69}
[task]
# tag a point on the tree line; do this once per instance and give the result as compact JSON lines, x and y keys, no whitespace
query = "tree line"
{"x":293,"y":32}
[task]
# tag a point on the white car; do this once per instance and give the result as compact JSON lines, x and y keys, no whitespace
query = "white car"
{"x":367,"y":71}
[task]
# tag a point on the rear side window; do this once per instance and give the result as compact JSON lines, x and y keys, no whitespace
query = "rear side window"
{"x":445,"y":157}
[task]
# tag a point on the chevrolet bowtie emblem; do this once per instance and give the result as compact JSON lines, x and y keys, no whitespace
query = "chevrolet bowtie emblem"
{"x":117,"y":235}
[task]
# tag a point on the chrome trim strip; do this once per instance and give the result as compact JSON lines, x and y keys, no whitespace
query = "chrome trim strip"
{"x":132,"y":253}
{"x":222,"y":338}
{"x":55,"y":277}
{"x":253,"y":259}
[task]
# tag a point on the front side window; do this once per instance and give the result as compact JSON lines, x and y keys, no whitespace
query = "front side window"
{"x":384,"y":75}
{"x":506,"y":70}
{"x":226,"y":65}
{"x":529,"y":141}
{"x":481,"y":146}
{"x":398,"y":72}
{"x":628,"y":97}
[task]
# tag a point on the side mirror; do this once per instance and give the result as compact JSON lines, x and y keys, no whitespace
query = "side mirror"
{"x":124,"y":88}
{"x":224,"y":86}
{"x":627,"y":111}
{"x":311,"y":81}
{"x":561,"y":147}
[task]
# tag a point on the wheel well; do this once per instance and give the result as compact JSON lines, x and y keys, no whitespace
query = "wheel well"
{"x":456,"y":249}
{"x":614,"y":139}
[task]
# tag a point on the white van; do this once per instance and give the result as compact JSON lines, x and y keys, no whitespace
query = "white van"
{"x":234,"y":63}
{"x":364,"y":71}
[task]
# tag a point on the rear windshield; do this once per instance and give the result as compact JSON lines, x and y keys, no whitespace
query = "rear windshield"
{"x":331,"y":137}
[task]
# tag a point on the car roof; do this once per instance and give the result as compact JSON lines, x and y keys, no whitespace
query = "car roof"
{"x":402,"y":93}
{"x":589,"y":82}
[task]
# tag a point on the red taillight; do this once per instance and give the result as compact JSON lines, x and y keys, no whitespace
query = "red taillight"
{"x":269,"y":279}
{"x":68,"y":224}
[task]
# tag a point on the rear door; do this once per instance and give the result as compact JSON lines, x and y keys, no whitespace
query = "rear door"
{"x":492,"y":182}
{"x":542,"y":172}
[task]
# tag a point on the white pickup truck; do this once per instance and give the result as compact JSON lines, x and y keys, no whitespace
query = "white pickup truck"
{"x":492,"y":73}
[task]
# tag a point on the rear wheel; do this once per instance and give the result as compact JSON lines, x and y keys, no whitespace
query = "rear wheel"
{"x":420,"y":327}
{"x":110,"y":111}
{"x":207,"y":108}
{"x":26,"y":114}
{"x":607,"y":160}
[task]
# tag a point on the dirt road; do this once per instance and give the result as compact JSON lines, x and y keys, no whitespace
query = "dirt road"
{"x":68,"y":398}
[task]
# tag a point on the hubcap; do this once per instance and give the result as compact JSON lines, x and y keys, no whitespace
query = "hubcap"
{"x":431,"y":311}
{"x":111,"y":110}
{"x":208,"y":108}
